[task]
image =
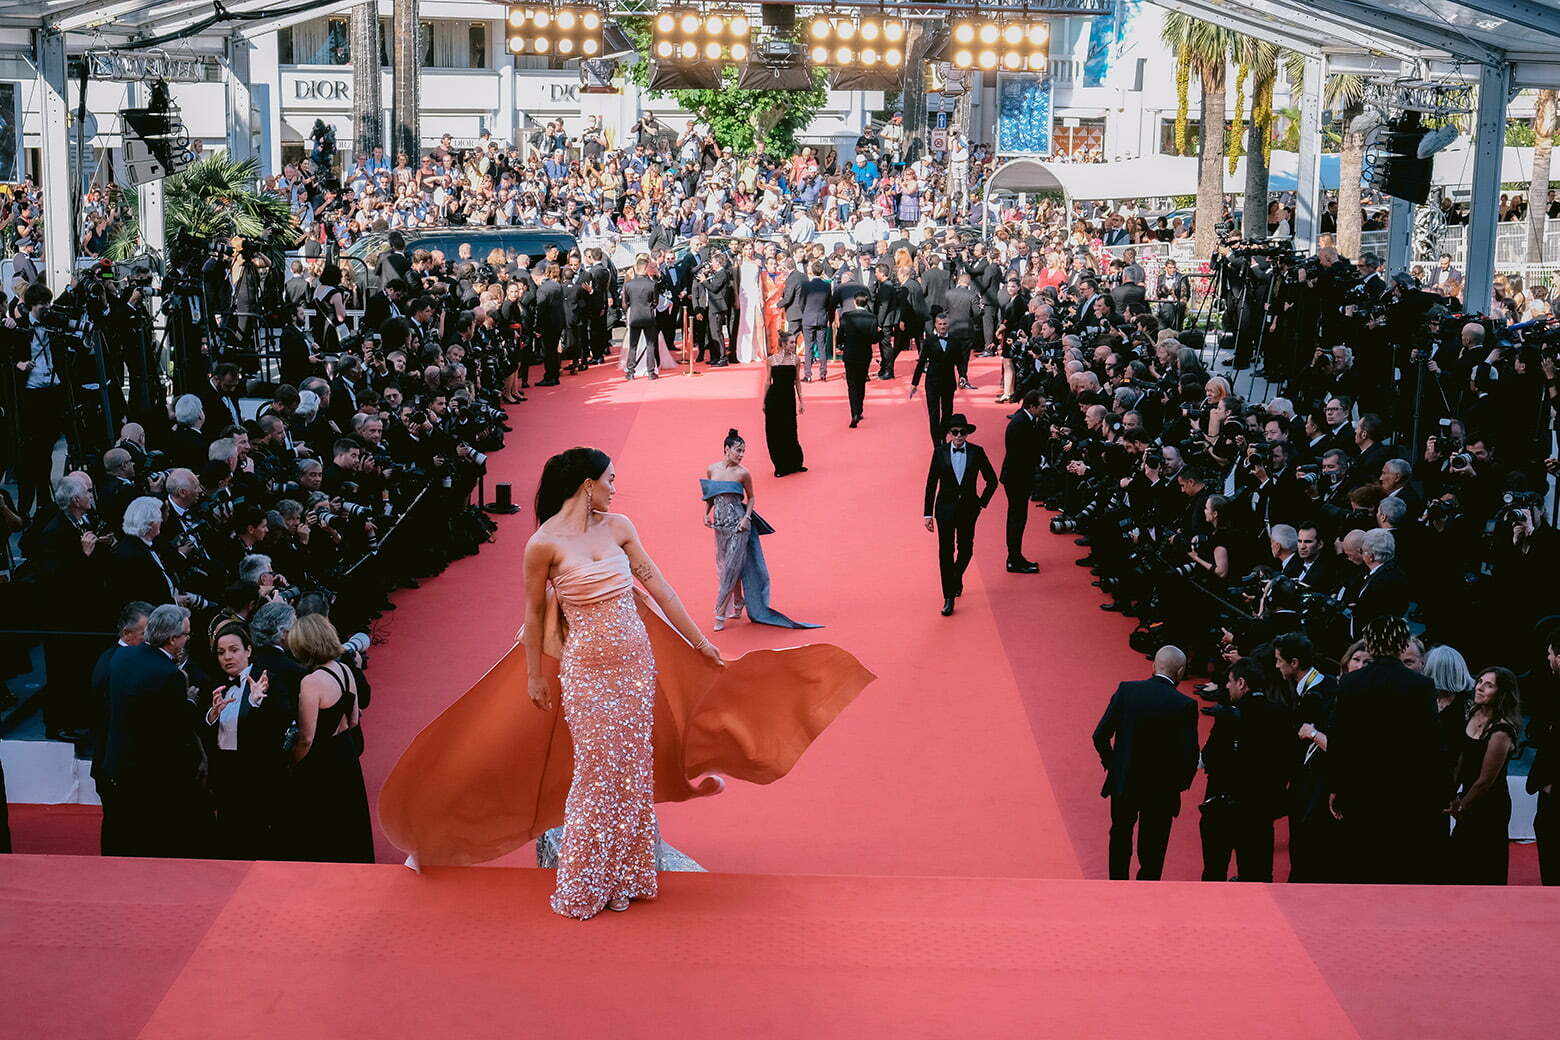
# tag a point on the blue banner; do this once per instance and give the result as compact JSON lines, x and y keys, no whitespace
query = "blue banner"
{"x":1023,"y":114}
{"x":1107,"y":37}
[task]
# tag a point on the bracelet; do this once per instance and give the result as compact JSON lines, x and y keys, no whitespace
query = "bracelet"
{"x":702,"y":644}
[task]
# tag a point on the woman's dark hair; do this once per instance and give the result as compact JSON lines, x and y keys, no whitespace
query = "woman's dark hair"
{"x":232,"y":628}
{"x":732,"y":437}
{"x":562,"y":476}
{"x":330,"y":274}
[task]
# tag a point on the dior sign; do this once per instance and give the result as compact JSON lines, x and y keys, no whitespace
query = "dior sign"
{"x":321,"y":90}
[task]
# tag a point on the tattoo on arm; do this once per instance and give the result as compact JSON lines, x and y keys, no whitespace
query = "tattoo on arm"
{"x":644,"y":571}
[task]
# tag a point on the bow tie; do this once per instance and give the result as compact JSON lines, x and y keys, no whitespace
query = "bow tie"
{"x":958,"y":451}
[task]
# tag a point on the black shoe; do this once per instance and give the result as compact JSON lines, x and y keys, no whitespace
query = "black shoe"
{"x":655,"y":375}
{"x":1113,"y":608}
{"x":68,"y":736}
{"x":719,"y":364}
{"x":1081,"y":541}
{"x":548,"y":382}
{"x":947,"y":607}
{"x":1023,"y":567}
{"x":1087,"y":561}
{"x":855,"y":421}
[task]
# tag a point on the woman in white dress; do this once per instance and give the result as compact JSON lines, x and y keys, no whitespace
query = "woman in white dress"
{"x":750,"y":306}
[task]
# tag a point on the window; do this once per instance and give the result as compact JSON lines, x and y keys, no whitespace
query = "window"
{"x":322,"y":41}
{"x":1167,"y":137}
{"x":476,"y":34}
{"x":1080,"y":138}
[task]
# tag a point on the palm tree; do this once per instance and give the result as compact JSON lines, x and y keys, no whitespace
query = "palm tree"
{"x":212,"y":200}
{"x":1346,"y":96}
{"x":1264,"y":61}
{"x":1538,"y":192}
{"x":1203,"y":49}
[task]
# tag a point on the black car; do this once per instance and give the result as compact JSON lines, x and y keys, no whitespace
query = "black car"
{"x":532,"y":241}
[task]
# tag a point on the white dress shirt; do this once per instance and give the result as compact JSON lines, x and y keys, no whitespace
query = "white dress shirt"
{"x":227,"y":720}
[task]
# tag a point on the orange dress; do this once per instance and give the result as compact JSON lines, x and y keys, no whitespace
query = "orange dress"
{"x":644,"y":717}
{"x":774,"y":314}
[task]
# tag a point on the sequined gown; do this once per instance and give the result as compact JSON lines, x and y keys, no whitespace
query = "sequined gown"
{"x":731,"y":550}
{"x":608,"y":680}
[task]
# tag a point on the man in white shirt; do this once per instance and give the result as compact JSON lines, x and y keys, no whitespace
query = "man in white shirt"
{"x":958,"y":164}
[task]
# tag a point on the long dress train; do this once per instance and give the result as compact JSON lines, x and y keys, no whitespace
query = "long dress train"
{"x":492,"y":772}
{"x":741,"y":574}
{"x":785,"y":446}
{"x":750,"y":303}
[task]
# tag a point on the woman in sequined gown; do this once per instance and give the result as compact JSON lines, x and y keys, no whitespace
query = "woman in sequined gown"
{"x":742,"y":578}
{"x":591,"y":557}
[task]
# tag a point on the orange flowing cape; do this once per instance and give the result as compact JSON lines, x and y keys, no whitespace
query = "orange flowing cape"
{"x":492,"y":771}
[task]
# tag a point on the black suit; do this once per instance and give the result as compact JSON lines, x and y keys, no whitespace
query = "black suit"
{"x":601,"y":290}
{"x":815,"y":300}
{"x":1024,"y":443}
{"x":220,"y":410}
{"x":938,"y":361}
{"x":1248,"y":759}
{"x":296,"y":350}
{"x":935,"y":282}
{"x":955,"y":505}
{"x":1385,"y":752}
{"x":134,"y":573}
{"x":1147,"y":742}
{"x":964,"y":307}
{"x":791,"y":301}
{"x":857,"y":334}
{"x":1313,"y":833}
{"x":150,"y":757}
{"x":639,"y":298}
{"x":717,"y":289}
{"x":247,"y":781}
{"x":550,"y":320}
{"x":1385,"y":593}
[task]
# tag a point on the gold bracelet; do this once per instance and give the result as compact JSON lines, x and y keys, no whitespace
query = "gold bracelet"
{"x":703,"y":643}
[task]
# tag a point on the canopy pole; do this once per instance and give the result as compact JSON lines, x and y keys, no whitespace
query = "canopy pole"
{"x":1489,"y":139}
{"x":1308,"y":179}
{"x":59,"y":233}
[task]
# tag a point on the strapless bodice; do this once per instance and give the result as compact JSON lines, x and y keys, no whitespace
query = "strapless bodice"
{"x":593,"y":580}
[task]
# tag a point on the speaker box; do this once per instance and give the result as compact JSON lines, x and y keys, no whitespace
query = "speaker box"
{"x":758,"y":76}
{"x":666,"y":75}
{"x":780,"y":16}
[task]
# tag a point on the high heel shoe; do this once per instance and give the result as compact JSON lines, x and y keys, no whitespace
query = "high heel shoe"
{"x":618,"y":903}
{"x":720,"y":624}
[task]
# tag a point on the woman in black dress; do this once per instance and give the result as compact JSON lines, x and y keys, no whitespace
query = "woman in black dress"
{"x":329,"y":820}
{"x":1480,"y":845}
{"x":782,"y":404}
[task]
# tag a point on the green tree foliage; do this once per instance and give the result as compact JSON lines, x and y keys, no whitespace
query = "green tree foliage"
{"x":736,"y":117}
{"x":213,"y":199}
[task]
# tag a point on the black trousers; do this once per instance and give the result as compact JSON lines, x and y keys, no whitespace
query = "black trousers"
{"x":1017,"y":517}
{"x":640,"y":339}
{"x":599,"y":336}
{"x":988,"y":326}
{"x":1151,"y":818}
{"x":548,"y":342}
{"x":964,"y":343}
{"x":886,"y":350}
{"x":1313,"y":847}
{"x":1229,"y":829}
{"x":666,"y":330}
{"x":721,"y":343}
{"x":939,"y":406}
{"x":1546,"y":828}
{"x":856,"y":373}
{"x":699,"y":329}
{"x":42,"y":422}
{"x":955,"y":546}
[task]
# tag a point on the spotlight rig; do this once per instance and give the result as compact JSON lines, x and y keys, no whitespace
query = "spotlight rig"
{"x":571,"y":31}
{"x":991,"y":45}
{"x":683,"y":34}
{"x":846,"y":41}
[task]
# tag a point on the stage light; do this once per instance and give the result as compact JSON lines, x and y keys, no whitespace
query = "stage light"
{"x":1011,"y":44}
{"x":516,"y":44}
{"x":844,"y":55}
{"x":712,"y":51}
{"x":715,"y":25}
{"x":846,"y":30}
{"x":893,"y":31}
{"x":689,"y":24}
{"x":739,"y":52}
{"x":893,"y":56}
{"x":541,"y":44}
{"x":870,"y":31}
{"x":869,"y":56}
{"x":740,"y":26}
{"x":565,"y":46}
{"x":516,"y":17}
{"x":590,"y":47}
{"x":718,"y":35}
{"x":665,"y":23}
{"x":688,"y":51}
{"x":591,"y":20}
{"x":820,"y":55}
{"x":566,"y":21}
{"x":541,"y":19}
{"x":820,"y":28}
{"x":570,"y":30}
{"x":664,"y":49}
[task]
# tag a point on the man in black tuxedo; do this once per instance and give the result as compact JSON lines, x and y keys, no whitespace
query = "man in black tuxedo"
{"x":1313,"y":833}
{"x":1147,"y":742}
{"x":935,"y":283}
{"x":886,"y":302}
{"x":817,"y":304}
{"x":1024,"y":444}
{"x":856,"y":333}
{"x":132,"y":632}
{"x":384,"y":305}
{"x":964,"y":306}
{"x":939,"y":363}
{"x":791,"y":293}
{"x":1248,"y":758}
{"x":987,"y":279}
{"x":1385,"y":591}
{"x":639,"y":297}
{"x":135,"y":571}
{"x":601,"y":292}
{"x":550,"y":320}
{"x":151,"y":755}
{"x":953,"y":504}
{"x":1385,"y":750}
{"x":671,"y":284}
{"x":718,"y":289}
{"x":219,"y":399}
{"x":395,"y":264}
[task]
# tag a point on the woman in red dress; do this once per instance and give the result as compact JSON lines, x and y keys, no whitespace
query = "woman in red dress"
{"x":772,"y":282}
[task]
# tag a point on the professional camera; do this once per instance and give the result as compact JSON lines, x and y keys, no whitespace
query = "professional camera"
{"x":66,"y":319}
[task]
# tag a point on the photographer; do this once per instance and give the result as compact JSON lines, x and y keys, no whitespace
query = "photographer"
{"x":1248,"y":761}
{"x":38,"y":369}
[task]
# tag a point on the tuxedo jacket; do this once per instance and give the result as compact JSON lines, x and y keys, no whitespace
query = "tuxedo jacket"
{"x":1386,"y":593}
{"x":151,"y":741}
{"x":1147,"y":741}
{"x":946,"y":494}
{"x":935,"y":280}
{"x":1023,"y":445}
{"x":717,"y":288}
{"x":938,"y":362}
{"x":791,"y":298}
{"x":963,"y":307}
{"x":857,"y":336}
{"x":134,"y":574}
{"x":816,"y":299}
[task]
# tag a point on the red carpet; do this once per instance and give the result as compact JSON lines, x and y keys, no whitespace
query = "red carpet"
{"x":971,"y":753}
{"x":114,"y":949}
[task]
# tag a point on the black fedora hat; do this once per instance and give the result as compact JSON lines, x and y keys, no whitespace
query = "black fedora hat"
{"x":957,"y":421}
